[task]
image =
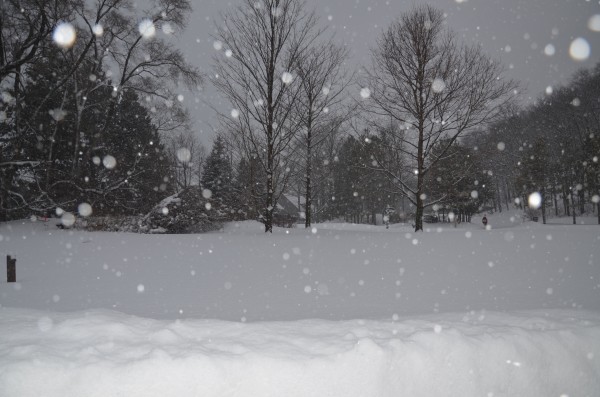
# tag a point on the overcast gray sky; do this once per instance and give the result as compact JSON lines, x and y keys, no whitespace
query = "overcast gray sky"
{"x":521,"y":33}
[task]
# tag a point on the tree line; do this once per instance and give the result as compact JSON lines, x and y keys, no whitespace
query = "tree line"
{"x":550,"y":149}
{"x":431,"y":123}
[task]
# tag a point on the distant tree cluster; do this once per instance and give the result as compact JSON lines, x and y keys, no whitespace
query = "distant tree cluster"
{"x":456,"y":184}
{"x":550,"y":149}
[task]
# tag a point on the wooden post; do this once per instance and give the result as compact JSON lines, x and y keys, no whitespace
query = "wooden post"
{"x":11,"y":269}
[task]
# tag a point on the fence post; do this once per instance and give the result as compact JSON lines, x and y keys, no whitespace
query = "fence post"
{"x":11,"y":269}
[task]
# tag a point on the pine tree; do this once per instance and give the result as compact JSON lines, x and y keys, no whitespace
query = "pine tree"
{"x":345,"y":202}
{"x":217,"y":179}
{"x":119,"y":169}
{"x":142,"y":166}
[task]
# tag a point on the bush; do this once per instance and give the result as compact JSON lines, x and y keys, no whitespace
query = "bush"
{"x":109,"y":223}
{"x":184,"y":212}
{"x":284,"y":220}
{"x":531,"y":214}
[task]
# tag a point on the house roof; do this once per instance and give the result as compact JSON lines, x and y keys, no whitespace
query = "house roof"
{"x":287,"y":206}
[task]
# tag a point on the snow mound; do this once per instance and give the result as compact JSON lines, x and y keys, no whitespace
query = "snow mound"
{"x":101,"y":353}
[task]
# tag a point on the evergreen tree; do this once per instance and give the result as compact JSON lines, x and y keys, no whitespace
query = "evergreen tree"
{"x":60,"y":111}
{"x":141,"y":175}
{"x":373,"y":184}
{"x":345,"y":176}
{"x":217,"y":179}
{"x":458,"y":182}
{"x":359,"y":188}
{"x":117,"y":169}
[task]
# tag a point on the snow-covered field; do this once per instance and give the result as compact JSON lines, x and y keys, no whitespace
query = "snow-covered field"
{"x":340,"y":310}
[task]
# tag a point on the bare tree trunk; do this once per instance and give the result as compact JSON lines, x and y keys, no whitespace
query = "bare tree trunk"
{"x":269,"y":205}
{"x":543,"y":194}
{"x":507,"y":195}
{"x":565,"y":197}
{"x":581,"y":197}
{"x":554,"y":196}
{"x":598,"y":190}
{"x":298,"y":199}
{"x":270,"y":119}
{"x":308,"y":198}
{"x":419,"y":215}
{"x":499,"y":197}
{"x":573,"y":207}
{"x":420,"y":177}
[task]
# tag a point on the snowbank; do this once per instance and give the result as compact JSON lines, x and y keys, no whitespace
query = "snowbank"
{"x":102,"y":353}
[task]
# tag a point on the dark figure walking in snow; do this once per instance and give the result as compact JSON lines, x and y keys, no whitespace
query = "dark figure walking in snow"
{"x":484,"y":220}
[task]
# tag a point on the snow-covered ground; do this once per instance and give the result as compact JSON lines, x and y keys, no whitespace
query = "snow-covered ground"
{"x":339,"y":310}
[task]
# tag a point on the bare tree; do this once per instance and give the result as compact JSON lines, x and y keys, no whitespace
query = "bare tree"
{"x":24,"y":28}
{"x":147,"y":64}
{"x":263,"y":41}
{"x":320,"y":109}
{"x":434,"y":87}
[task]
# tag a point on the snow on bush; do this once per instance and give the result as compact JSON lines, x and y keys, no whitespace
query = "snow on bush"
{"x":184,"y":212}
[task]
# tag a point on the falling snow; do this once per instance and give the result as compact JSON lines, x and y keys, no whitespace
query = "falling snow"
{"x":338,"y":308}
{"x":579,"y":49}
{"x":109,"y":162}
{"x":64,"y":35}
{"x":147,"y":28}
{"x":287,"y":78}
